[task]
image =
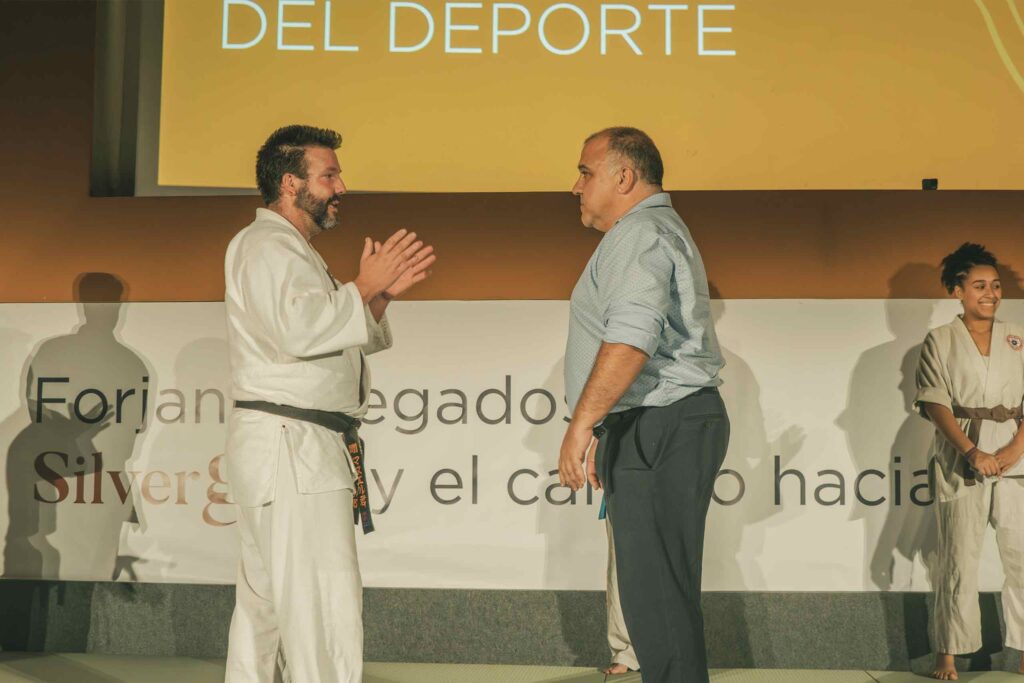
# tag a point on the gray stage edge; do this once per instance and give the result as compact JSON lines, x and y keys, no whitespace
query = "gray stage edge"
{"x":880,"y":631}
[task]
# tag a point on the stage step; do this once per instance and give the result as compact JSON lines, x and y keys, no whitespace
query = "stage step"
{"x":94,"y":668}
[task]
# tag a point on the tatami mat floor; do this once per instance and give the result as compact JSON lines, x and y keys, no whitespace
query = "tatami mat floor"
{"x":81,"y":668}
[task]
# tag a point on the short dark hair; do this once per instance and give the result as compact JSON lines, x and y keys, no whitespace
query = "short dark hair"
{"x":285,"y":152}
{"x":638,"y":148}
{"x":956,"y":265}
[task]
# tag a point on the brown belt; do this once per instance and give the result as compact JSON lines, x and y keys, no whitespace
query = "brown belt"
{"x":997,"y":414}
{"x":975,"y":417}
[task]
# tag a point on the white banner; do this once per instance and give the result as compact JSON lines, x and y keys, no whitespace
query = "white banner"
{"x":114,"y":428}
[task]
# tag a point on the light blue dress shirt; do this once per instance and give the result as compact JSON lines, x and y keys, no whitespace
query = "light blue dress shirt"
{"x":645,"y":286}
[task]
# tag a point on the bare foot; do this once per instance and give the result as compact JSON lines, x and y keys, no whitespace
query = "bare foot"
{"x":945,"y":668}
{"x":615,"y":670}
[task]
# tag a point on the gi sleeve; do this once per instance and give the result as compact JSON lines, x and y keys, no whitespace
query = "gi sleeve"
{"x":635,"y":279}
{"x":932,"y":378}
{"x":284,"y":292}
{"x":379,"y":333}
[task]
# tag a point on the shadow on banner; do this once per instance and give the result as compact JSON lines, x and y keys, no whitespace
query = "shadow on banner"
{"x":742,"y":516}
{"x":906,"y":531}
{"x":84,"y":404}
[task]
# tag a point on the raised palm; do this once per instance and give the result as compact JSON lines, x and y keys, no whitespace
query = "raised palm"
{"x":418,"y":271}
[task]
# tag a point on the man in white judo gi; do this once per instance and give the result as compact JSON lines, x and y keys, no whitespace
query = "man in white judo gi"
{"x":298,"y":340}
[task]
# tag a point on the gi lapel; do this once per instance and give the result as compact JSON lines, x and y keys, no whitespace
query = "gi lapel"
{"x":998,"y":366}
{"x":358,"y":360}
{"x":970,"y":349}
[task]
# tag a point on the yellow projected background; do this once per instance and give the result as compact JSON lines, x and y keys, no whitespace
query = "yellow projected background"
{"x":438,"y":96}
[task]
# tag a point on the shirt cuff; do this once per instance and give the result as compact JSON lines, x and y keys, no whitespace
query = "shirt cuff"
{"x":634,"y":325}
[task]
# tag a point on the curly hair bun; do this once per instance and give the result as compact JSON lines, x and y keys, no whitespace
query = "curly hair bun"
{"x":956,"y":265}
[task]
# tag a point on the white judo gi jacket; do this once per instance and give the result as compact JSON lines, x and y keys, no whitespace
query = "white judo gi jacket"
{"x":296,"y":337}
{"x":953,"y":373}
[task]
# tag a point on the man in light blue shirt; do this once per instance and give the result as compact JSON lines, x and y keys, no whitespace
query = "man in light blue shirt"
{"x":641,"y":374}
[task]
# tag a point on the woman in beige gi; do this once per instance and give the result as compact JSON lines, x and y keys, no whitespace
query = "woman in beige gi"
{"x":970,"y":382}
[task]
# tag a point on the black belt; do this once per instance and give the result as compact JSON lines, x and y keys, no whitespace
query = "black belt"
{"x":345,"y":425}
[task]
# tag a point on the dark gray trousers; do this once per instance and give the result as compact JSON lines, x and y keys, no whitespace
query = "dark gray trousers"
{"x":658,"y":469}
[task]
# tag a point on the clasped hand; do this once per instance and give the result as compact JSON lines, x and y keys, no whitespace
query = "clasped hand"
{"x":391,"y":268}
{"x":994,"y":465}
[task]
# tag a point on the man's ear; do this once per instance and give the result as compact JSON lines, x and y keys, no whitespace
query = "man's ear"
{"x":289,"y":184}
{"x":626,"y":180}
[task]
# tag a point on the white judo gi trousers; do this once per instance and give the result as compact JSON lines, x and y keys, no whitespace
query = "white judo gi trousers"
{"x":618,"y":636}
{"x":299,"y":596}
{"x":961,"y":526}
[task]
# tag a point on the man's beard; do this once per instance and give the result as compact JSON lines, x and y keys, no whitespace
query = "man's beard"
{"x":318,"y":209}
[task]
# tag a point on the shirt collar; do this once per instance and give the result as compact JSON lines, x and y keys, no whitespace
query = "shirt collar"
{"x":655,"y":200}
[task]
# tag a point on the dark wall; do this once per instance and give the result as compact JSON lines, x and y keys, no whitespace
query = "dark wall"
{"x":874,"y":631}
